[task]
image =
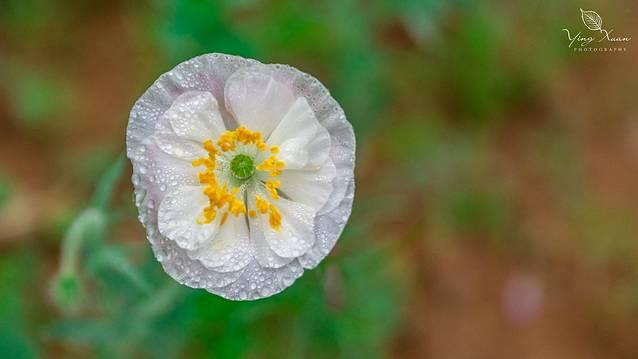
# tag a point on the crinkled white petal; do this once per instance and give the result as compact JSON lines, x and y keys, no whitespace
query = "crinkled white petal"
{"x":256,"y":281}
{"x":328,"y":226}
{"x":179,"y":147}
{"x":257,"y":100}
{"x":155,"y":173}
{"x":303,"y":142}
{"x":230,"y":249}
{"x":332,"y":218}
{"x":263,"y":253}
{"x":195,"y":116}
{"x":304,"y":147}
{"x":309,"y":187}
{"x":204,"y":73}
{"x":177,"y":217}
{"x":296,"y":235}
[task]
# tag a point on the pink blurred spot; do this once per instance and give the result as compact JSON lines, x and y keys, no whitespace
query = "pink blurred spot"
{"x":522,"y":298}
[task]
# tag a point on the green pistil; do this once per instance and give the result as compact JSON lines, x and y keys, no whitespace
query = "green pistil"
{"x":242,"y":167}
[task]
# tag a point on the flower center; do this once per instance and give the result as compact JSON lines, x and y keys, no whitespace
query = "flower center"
{"x":242,"y":145}
{"x":242,"y":167}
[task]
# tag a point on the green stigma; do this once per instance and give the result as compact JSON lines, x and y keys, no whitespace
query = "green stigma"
{"x":242,"y":167}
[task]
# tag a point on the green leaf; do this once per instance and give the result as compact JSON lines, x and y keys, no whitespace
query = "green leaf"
{"x":113,"y":259}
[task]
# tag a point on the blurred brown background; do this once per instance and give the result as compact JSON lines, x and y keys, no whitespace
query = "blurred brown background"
{"x":495,"y":213}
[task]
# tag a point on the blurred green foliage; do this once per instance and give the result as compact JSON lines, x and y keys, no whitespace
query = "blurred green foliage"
{"x":193,"y":27}
{"x":15,"y":274}
{"x":38,"y":98}
{"x":6,"y":188}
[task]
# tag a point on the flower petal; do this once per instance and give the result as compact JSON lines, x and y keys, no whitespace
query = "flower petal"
{"x":256,"y":281}
{"x":296,"y":235}
{"x":179,"y":147}
{"x":203,"y":73}
{"x":177,"y":217}
{"x":309,"y":187}
{"x":328,"y":228}
{"x":302,"y":141}
{"x":156,"y":173}
{"x":194,"y":115}
{"x":263,"y":253}
{"x":256,"y":99}
{"x":332,"y":218}
{"x":304,"y":146}
{"x":229,"y":250}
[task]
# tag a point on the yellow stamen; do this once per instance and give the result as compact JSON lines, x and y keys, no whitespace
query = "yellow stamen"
{"x":272,"y":165}
{"x":222,"y":199}
{"x":218,"y":197}
{"x":229,"y":139}
{"x":271,"y":186}
{"x":275,"y":218}
{"x":202,"y":161}
{"x":262,"y":204}
{"x":210,"y":148}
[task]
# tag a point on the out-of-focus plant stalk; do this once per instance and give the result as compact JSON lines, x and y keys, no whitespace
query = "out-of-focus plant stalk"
{"x":90,"y":224}
{"x":87,"y":230}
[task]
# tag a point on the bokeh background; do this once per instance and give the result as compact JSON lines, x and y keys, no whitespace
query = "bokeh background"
{"x":495,"y":211}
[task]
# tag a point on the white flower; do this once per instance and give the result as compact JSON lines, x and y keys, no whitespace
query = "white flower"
{"x":243,"y":173}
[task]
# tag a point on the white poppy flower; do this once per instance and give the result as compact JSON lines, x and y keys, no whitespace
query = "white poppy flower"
{"x":243,"y":173}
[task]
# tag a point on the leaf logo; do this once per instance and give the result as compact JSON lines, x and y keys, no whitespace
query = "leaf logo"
{"x":592,"y":20}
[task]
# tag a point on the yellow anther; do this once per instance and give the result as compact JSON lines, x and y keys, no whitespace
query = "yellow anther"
{"x":257,"y":136}
{"x":262,"y":204}
{"x":272,"y":165}
{"x":237,"y":207}
{"x":271,"y":187}
{"x":252,"y":213}
{"x":274,"y":150}
{"x":224,"y":217}
{"x":202,"y":161}
{"x":210,"y":148}
{"x":227,"y":141}
{"x":207,"y":177}
{"x":274,"y":218}
{"x":207,"y":216}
